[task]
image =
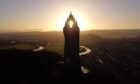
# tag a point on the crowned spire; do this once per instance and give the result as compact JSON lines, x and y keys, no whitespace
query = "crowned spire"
{"x":71,"y":22}
{"x":71,"y":17}
{"x":70,"y":13}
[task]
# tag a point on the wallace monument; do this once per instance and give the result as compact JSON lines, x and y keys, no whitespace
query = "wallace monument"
{"x":72,"y":67}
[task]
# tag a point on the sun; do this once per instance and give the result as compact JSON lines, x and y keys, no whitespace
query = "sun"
{"x":71,"y":24}
{"x":78,"y":17}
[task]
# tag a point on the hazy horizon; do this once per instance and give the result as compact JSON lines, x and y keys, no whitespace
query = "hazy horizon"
{"x":61,"y":31}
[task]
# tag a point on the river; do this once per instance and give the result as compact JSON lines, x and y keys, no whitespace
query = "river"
{"x":87,"y":51}
{"x":39,"y":48}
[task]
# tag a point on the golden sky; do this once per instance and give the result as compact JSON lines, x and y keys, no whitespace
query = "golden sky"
{"x":50,"y":15}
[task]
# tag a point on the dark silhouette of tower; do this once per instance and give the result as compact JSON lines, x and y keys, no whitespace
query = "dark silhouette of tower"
{"x":72,"y":67}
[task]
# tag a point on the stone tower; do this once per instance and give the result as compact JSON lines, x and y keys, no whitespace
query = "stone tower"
{"x":72,"y":67}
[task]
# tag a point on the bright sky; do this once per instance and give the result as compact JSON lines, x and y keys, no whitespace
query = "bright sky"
{"x":50,"y":15}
